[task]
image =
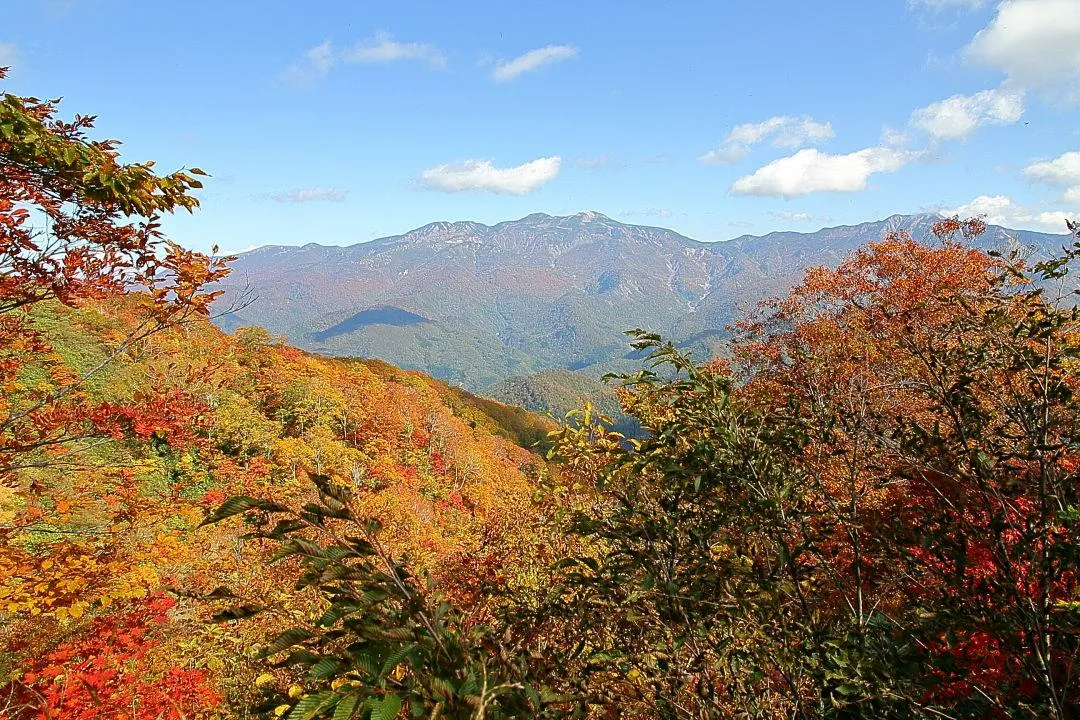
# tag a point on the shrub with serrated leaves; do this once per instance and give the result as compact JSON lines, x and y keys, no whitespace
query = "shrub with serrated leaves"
{"x":703,"y":594}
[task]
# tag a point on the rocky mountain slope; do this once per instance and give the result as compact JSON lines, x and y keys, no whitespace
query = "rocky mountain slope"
{"x":476,"y":304}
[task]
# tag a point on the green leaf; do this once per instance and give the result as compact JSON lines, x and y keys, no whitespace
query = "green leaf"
{"x":219,"y":593}
{"x":334,"y":613}
{"x":385,"y":709}
{"x":286,"y":640}
{"x":325,"y":669}
{"x":442,"y":689}
{"x":239,"y":612}
{"x":298,"y":546}
{"x":396,"y":657}
{"x":346,"y":708}
{"x":365,"y":661}
{"x":284,"y":527}
{"x":238,"y":504}
{"x":309,"y":705}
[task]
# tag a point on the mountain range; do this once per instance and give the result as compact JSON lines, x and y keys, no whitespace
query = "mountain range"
{"x":477,"y":305}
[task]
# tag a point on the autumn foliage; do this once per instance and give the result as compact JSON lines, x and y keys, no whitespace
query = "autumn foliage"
{"x":116,"y":669}
{"x":125,"y":416}
{"x":249,"y":415}
{"x":867,"y":508}
{"x":938,"y":390}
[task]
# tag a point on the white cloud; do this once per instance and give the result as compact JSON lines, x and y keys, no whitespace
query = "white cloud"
{"x":249,"y":248}
{"x":320,"y":57}
{"x":786,"y":132}
{"x":1036,"y":43}
{"x":1071,"y":196}
{"x":532,"y":60}
{"x":791,"y":216}
{"x":724,"y":155}
{"x":305,"y":195}
{"x":384,"y":49}
{"x":1062,"y":170}
{"x":315,"y":63}
{"x":9,"y":54}
{"x":789,"y":132}
{"x":958,"y":116}
{"x":891,"y":137}
{"x":483,"y":175}
{"x":1003,"y":210}
{"x":810,"y":170}
{"x":751,"y":133}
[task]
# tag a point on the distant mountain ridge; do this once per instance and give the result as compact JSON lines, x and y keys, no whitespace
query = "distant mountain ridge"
{"x":476,"y":304}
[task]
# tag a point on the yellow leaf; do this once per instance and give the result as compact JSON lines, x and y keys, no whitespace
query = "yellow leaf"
{"x":264,"y":679}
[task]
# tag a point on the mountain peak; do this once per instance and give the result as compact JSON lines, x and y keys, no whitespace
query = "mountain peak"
{"x":583,"y":216}
{"x":475,"y":304}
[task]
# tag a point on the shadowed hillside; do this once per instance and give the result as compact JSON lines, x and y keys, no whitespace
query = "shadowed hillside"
{"x":475,"y":304}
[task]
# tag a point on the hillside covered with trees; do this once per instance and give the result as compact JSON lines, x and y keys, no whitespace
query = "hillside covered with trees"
{"x":870,"y":508}
{"x":478,"y":305}
{"x":125,"y":415}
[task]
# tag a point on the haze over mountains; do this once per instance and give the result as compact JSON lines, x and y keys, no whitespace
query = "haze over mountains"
{"x":476,"y":304}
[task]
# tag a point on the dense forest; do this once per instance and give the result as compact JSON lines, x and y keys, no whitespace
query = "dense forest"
{"x":869,"y":507}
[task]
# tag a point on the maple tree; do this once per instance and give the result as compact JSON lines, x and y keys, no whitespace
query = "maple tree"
{"x":238,"y":408}
{"x":939,"y":388}
{"x":465,"y":527}
{"x":110,"y":672}
{"x":383,"y":643}
{"x":77,"y":224}
{"x":803,"y":531}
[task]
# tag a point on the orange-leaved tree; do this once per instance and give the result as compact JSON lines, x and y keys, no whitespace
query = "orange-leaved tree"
{"x":870,"y":510}
{"x":936,"y":386}
{"x":78,"y":226}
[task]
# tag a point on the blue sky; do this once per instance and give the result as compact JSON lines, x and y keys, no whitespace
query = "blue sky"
{"x":337,"y":122}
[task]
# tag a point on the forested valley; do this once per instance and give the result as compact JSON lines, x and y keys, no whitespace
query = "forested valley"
{"x":866,"y":506}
